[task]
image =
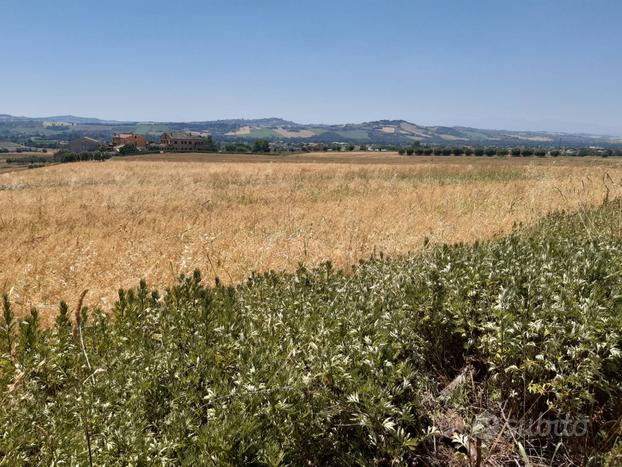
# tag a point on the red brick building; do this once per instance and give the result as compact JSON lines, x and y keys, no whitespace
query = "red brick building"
{"x":120,"y":139}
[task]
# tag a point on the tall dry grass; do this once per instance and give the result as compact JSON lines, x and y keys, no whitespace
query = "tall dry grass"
{"x":101,"y":226}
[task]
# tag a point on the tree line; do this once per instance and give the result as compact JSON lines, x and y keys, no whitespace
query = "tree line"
{"x":61,"y":157}
{"x":495,"y":151}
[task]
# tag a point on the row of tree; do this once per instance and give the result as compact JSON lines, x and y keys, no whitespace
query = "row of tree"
{"x":259,"y":146}
{"x":60,"y":158}
{"x":66,"y":156}
{"x":492,"y":151}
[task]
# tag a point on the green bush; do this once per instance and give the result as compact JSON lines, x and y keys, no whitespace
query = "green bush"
{"x":29,"y":160}
{"x":64,"y":157}
{"x":261,"y":146}
{"x":128,"y":149}
{"x":323,"y":367}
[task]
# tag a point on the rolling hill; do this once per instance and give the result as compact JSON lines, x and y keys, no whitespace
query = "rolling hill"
{"x":399,"y":132}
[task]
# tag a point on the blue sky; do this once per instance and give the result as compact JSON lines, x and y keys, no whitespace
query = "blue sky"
{"x":512,"y":64}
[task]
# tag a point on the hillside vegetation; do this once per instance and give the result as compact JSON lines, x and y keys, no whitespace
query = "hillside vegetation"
{"x":424,"y":358}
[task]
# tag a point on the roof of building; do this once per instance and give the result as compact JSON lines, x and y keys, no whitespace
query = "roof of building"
{"x":182,"y":135}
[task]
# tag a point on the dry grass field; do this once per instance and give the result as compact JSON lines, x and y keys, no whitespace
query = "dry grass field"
{"x":101,"y":226}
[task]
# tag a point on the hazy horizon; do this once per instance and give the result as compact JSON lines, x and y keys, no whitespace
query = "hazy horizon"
{"x":532,"y":65}
{"x":312,"y":123}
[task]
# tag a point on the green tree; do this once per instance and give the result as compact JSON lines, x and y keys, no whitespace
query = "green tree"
{"x":209,"y":145}
{"x":526,"y":152}
{"x":515,"y":152}
{"x":261,"y":145}
{"x":479,"y":152}
{"x":128,"y":149}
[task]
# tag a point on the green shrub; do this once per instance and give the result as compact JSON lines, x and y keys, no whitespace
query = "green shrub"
{"x":64,"y":157}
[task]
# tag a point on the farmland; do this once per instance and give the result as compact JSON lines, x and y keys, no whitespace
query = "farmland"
{"x":102,"y":226}
{"x":453,"y":355}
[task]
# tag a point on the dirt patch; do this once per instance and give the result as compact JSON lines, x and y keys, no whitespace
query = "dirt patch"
{"x":294,"y":133}
{"x":245,"y":130}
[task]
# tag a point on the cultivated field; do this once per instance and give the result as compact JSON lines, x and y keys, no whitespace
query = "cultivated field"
{"x":101,"y":226}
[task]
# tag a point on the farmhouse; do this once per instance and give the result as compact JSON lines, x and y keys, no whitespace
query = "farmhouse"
{"x":181,"y":141}
{"x":84,"y":144}
{"x":121,"y":139}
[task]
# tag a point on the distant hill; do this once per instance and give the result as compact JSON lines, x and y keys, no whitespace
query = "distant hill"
{"x":398,"y":132}
{"x":58,"y":119}
{"x":79,"y":120}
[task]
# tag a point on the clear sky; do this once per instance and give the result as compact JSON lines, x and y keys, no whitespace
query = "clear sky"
{"x":514,"y":64}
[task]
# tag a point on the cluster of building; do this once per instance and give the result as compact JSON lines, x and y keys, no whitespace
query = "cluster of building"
{"x":181,"y":141}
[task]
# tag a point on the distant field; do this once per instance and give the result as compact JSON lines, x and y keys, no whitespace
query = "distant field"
{"x":101,"y":226}
{"x":5,"y":167}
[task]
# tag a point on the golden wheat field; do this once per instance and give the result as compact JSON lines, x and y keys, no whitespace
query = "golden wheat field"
{"x":105,"y":225}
